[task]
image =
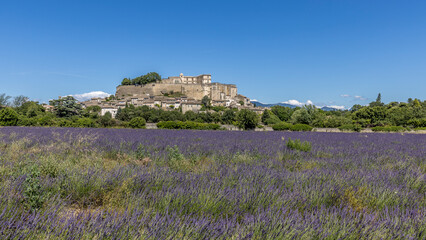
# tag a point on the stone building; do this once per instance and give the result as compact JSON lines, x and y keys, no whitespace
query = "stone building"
{"x":201,"y":79}
{"x":47,"y":107}
{"x":188,"y":90}
{"x":191,"y":106}
{"x":193,"y":87}
{"x":109,"y":109}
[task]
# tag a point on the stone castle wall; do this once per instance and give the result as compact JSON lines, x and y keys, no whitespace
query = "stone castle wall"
{"x":216,"y":91}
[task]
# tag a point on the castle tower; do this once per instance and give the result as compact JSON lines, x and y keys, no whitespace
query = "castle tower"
{"x":181,"y":78}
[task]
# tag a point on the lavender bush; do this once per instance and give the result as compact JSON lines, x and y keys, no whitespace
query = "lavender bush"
{"x":68,"y":183}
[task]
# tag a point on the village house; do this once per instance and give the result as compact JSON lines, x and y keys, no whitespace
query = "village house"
{"x":189,"y":90}
{"x":109,"y":109}
{"x":194,"y":106}
{"x":47,"y":107}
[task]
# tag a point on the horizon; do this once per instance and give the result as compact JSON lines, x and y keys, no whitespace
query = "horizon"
{"x":324,"y":53}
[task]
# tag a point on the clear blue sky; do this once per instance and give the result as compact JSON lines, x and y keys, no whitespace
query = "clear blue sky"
{"x":324,"y":51}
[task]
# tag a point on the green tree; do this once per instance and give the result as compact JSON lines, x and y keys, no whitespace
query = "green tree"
{"x":4,"y":100}
{"x":247,"y":119}
{"x":66,"y":106}
{"x":106,"y":120}
{"x":301,"y":116}
{"x":269,"y":118}
{"x":378,"y":102}
{"x":336,"y":121}
{"x":379,"y":98}
{"x":137,"y":122}
{"x":320,"y":119}
{"x":205,"y":117}
{"x":265,"y":116}
{"x":33,"y":111}
{"x":151,"y":77}
{"x":47,"y":119}
{"x":392,"y":104}
{"x":8,"y":117}
{"x":219,"y":108}
{"x":91,"y":112}
{"x":144,"y":111}
{"x":86,"y":122}
{"x":190,"y":116}
{"x":206,"y":102}
{"x":283,"y":113}
{"x":370,"y":115}
{"x":126,"y":81}
{"x":94,"y":109}
{"x":416,"y":103}
{"x":216,"y":117}
{"x":145,"y":79}
{"x":399,"y":116}
{"x":125,"y":114}
{"x":111,"y":97}
{"x":228,"y":116}
{"x":30,"y":109}
{"x":19,"y":100}
{"x":171,"y":116}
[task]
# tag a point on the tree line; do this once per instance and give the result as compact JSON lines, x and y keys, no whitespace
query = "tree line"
{"x":150,"y":77}
{"x":67,"y":112}
{"x":411,"y":114}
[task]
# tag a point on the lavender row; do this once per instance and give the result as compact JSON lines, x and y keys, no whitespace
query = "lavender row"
{"x":165,"y":184}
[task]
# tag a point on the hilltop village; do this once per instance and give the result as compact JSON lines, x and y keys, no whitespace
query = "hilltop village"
{"x":188,"y":102}
{"x":180,"y":92}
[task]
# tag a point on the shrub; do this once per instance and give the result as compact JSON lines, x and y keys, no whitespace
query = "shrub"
{"x":47,"y":120}
{"x":336,"y":121}
{"x":219,"y":108}
{"x":301,"y":127}
{"x":8,"y":117}
{"x":65,"y":123}
{"x":33,"y":194}
{"x":301,"y":116}
{"x":272,"y":120}
{"x":388,"y":129}
{"x":363,"y":122}
{"x":106,"y":120}
{"x":25,"y":121}
{"x":350,"y":127}
{"x":269,"y":118}
{"x":188,"y":125}
{"x":137,"y":122}
{"x":86,"y":122}
{"x":168,"y":125}
{"x":282,"y":126}
{"x":142,"y":152}
{"x":417,"y":122}
{"x":247,"y":119}
{"x":174,"y":154}
{"x":360,"y":200}
{"x":176,"y":160}
{"x":287,"y":126}
{"x":296,"y":144}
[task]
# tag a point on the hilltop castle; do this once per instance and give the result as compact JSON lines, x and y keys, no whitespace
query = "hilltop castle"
{"x":192,"y":87}
{"x":185,"y":92}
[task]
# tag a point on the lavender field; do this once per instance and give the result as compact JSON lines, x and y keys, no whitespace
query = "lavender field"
{"x":74,"y":183}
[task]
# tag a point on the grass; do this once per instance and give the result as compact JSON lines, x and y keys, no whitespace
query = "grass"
{"x":296,"y":144}
{"x":389,"y":129}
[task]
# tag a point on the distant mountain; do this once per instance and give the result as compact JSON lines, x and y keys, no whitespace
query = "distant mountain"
{"x":259,"y":104}
{"x":329,"y":109}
